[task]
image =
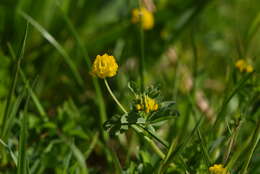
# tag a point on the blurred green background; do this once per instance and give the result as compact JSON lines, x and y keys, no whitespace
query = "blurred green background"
{"x":191,"y":52}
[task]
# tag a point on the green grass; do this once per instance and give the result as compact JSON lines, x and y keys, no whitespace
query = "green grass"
{"x":56,"y":117}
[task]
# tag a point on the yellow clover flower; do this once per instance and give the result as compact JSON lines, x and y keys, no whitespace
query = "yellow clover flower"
{"x":104,"y":66}
{"x":218,"y":169}
{"x":144,"y":17}
{"x":147,"y":105}
{"x":243,"y":66}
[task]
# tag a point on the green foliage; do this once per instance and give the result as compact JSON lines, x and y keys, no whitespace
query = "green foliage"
{"x":120,"y":123}
{"x":55,"y":117}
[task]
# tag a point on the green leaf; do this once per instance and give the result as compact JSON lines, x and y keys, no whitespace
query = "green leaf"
{"x":166,"y":111}
{"x":119,"y":124}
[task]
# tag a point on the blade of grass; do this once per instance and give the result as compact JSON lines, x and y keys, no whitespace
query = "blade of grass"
{"x":204,"y":149}
{"x":184,"y":165}
{"x":56,"y":45}
{"x":79,"y":156}
{"x":10,"y":151}
{"x":140,"y":132}
{"x":166,"y":160}
{"x":22,"y":164}
{"x":156,"y":137}
{"x":67,"y":163}
{"x":14,"y":82}
{"x":175,"y":149}
{"x":254,"y":27}
{"x":92,"y":145}
{"x":11,"y":117}
{"x":252,"y":147}
{"x":35,"y":99}
{"x":235,"y":157}
{"x":118,"y":168}
{"x":232,"y":140}
{"x":236,"y":89}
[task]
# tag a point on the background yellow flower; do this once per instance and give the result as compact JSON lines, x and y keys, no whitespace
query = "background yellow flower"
{"x":144,"y":16}
{"x":243,"y":66}
{"x":218,"y":169}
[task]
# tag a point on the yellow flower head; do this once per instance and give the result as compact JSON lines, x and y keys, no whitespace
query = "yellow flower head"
{"x":243,"y":66}
{"x":104,"y":66}
{"x":218,"y":169}
{"x":144,"y":17}
{"x":147,"y":105}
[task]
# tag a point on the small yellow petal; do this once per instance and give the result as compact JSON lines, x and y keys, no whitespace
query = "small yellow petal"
{"x":147,"y":104}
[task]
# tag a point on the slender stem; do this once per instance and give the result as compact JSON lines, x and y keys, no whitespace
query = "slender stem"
{"x":114,"y":97}
{"x":252,"y":147}
{"x":150,"y":141}
{"x":141,"y":66}
{"x":155,"y":137}
{"x":142,"y":58}
{"x":155,"y":147}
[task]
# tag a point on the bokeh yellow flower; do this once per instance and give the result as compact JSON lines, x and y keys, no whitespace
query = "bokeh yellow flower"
{"x":144,"y":17}
{"x":104,"y":66}
{"x":249,"y":68}
{"x":218,"y":169}
{"x":243,"y":66}
{"x":147,"y":104}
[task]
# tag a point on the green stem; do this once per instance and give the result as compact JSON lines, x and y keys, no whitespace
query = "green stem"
{"x":114,"y":97}
{"x":252,"y":147}
{"x":150,"y":141}
{"x":155,"y":137}
{"x":141,"y":66}
{"x":142,"y":58}
{"x":155,"y":147}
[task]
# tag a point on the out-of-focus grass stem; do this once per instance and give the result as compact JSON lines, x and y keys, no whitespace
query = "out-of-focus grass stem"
{"x":252,"y":147}
{"x":141,"y":62}
{"x":141,"y":66}
{"x":100,"y":99}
